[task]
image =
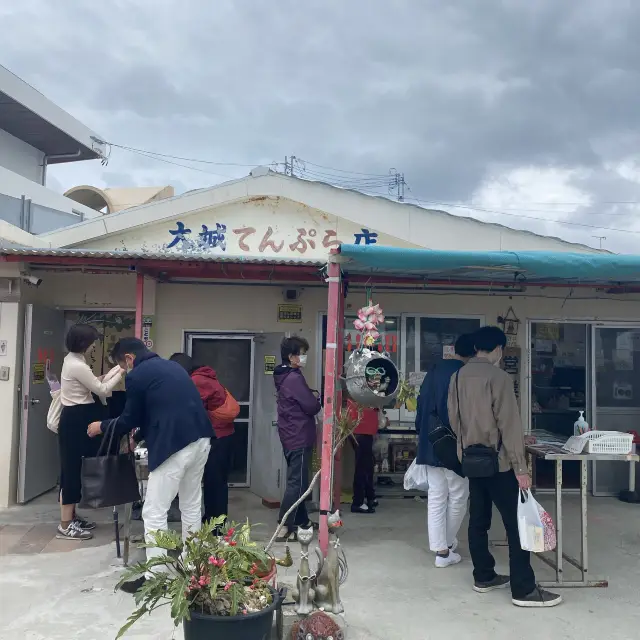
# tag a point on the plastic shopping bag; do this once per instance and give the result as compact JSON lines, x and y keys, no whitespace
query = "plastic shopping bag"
{"x":536,"y":528}
{"x":416,"y":477}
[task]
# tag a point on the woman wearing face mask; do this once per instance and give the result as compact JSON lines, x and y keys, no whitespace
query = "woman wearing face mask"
{"x":79,"y":408}
{"x":297,"y":408}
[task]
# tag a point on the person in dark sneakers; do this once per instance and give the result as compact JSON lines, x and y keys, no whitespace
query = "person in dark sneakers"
{"x":483,"y":410}
{"x":364,"y":495}
{"x":297,"y":409}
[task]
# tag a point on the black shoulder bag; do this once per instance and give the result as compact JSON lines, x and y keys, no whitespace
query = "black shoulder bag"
{"x":445,"y":446}
{"x":109,"y":479}
{"x":478,"y":460}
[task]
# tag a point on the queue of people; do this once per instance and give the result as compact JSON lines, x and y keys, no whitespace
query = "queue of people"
{"x":475,"y":399}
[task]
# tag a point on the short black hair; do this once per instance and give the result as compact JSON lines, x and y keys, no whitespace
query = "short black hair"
{"x":184,"y":360}
{"x":465,"y":346}
{"x":488,"y":338}
{"x":80,"y":337}
{"x":135,"y":346}
{"x":292,"y":347}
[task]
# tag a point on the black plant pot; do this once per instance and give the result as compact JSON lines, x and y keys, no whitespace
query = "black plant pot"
{"x":253,"y":626}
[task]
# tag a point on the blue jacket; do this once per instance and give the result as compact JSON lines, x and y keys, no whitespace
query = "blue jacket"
{"x":432,"y":402}
{"x":165,"y":405}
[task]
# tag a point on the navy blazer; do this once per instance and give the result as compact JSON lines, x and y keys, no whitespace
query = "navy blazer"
{"x":432,"y":402}
{"x":165,"y":405}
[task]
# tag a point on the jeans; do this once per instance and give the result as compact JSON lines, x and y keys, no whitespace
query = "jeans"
{"x":298,"y":464}
{"x":363,"y":475}
{"x":182,"y":473}
{"x":501,"y":490}
{"x":446,"y":506}
{"x":216,"y":478}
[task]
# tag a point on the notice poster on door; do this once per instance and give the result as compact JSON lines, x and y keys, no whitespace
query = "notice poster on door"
{"x":38,"y":376}
{"x":269,"y":365}
{"x":448,"y":351}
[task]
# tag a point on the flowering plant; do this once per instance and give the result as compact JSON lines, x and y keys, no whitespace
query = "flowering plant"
{"x":217,"y":575}
{"x":367,"y":323}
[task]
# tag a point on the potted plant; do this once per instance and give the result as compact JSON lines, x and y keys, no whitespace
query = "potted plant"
{"x":211,"y":582}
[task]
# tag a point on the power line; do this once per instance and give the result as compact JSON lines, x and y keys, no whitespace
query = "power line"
{"x":515,"y":215}
{"x":177,"y":164}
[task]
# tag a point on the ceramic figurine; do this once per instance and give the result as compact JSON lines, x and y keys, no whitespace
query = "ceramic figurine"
{"x":327,"y":592}
{"x":304,"y":593}
{"x":318,"y":626}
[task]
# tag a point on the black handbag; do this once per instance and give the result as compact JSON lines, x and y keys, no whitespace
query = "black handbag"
{"x":445,"y":446}
{"x":478,"y":460}
{"x":109,"y":480}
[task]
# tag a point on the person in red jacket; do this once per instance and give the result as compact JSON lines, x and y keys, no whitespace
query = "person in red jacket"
{"x":364,"y":496}
{"x":216,"y":471}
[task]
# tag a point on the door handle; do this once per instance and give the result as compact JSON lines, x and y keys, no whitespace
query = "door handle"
{"x":35,"y":401}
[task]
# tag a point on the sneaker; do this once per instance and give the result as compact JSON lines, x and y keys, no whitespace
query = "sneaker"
{"x":363,"y":508}
{"x":286,"y":535}
{"x":446,"y":561}
{"x":84,"y":524}
{"x":538,"y":598}
{"x":454,"y":546}
{"x":374,"y":504}
{"x":73,"y":532}
{"x":133,"y":586}
{"x":499,"y":582}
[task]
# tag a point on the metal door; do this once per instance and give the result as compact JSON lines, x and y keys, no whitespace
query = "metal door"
{"x":43,"y":351}
{"x":268,"y":468}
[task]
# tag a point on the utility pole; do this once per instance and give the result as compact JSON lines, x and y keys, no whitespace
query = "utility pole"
{"x":290,"y":164}
{"x":397,"y":184}
{"x":600,"y":239}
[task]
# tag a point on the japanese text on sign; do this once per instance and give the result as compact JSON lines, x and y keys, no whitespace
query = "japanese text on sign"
{"x":289,"y":313}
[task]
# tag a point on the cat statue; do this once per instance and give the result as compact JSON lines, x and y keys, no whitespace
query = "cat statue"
{"x":304,"y":592}
{"x":327,"y":592}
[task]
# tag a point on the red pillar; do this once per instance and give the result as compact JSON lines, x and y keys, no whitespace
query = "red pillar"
{"x":337,"y":464}
{"x":139,"y":302}
{"x":331,"y":387}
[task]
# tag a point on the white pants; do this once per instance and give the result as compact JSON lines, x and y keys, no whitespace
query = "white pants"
{"x":181,"y":474}
{"x":447,"y":506}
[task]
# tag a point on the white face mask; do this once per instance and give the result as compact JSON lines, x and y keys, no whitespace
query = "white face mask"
{"x":302,"y":360}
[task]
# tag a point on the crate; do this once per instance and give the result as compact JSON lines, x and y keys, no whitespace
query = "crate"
{"x":611,"y":442}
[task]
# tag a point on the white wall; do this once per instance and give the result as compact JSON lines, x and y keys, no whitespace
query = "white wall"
{"x":20,"y":157}
{"x":15,"y":185}
{"x":11,"y":330}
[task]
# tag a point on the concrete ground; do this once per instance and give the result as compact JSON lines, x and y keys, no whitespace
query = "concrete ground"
{"x":394,"y":592}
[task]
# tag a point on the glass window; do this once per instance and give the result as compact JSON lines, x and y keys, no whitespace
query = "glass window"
{"x":438,"y":333}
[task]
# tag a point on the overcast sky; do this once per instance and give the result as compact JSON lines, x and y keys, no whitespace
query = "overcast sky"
{"x":530,"y":108}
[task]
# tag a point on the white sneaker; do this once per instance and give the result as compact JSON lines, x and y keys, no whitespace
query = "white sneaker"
{"x":454,"y":546}
{"x":446,"y":561}
{"x":73,"y":532}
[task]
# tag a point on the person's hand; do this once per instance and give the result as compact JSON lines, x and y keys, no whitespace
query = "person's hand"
{"x":132,"y":443}
{"x":94,"y":429}
{"x":529,"y":439}
{"x":524,"y":481}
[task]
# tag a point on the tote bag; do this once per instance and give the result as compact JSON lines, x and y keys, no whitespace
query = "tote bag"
{"x":228,"y":411}
{"x":109,"y":480}
{"x":55,"y":411}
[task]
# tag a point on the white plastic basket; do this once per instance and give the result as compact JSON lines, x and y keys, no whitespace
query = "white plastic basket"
{"x":612,"y":442}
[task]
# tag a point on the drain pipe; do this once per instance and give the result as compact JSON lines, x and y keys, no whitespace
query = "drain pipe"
{"x":60,"y":156}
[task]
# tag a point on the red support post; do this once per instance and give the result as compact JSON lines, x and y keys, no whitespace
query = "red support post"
{"x":331,"y":387}
{"x":139,"y":303}
{"x":337,"y":463}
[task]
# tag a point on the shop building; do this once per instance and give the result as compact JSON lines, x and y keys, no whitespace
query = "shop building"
{"x":225,"y":273}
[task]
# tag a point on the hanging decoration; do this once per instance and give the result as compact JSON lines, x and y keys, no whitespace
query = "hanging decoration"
{"x":372,"y":377}
{"x":509,"y":322}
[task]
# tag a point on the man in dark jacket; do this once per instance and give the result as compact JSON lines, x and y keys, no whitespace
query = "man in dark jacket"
{"x":297,"y":408}
{"x":165,"y":406}
{"x":448,"y":492}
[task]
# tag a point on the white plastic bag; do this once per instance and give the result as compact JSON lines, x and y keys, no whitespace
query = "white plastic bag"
{"x":416,"y":477}
{"x":536,"y":528}
{"x":55,"y":409}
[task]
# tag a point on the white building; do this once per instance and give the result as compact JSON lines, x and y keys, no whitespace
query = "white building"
{"x":34,"y":134}
{"x":229,"y":270}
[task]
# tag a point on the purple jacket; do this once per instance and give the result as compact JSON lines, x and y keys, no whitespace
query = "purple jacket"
{"x":297,"y":407}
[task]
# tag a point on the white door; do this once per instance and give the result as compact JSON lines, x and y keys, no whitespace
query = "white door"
{"x":268,"y":466}
{"x":43,"y":350}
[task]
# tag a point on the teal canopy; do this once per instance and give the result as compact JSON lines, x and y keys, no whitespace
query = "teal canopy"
{"x":508,"y":267}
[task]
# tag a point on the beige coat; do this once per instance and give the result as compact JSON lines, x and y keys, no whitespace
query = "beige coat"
{"x":488,"y":411}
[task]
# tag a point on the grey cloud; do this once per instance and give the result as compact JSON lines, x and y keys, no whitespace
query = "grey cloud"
{"x":447,"y":92}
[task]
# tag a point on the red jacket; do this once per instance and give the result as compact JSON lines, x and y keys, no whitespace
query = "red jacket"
{"x":369,"y":424}
{"x":213,"y":395}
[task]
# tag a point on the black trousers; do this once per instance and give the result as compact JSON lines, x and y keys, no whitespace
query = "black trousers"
{"x":215,"y":481}
{"x":363,"y":474}
{"x":501,"y":490}
{"x":298,"y":465}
